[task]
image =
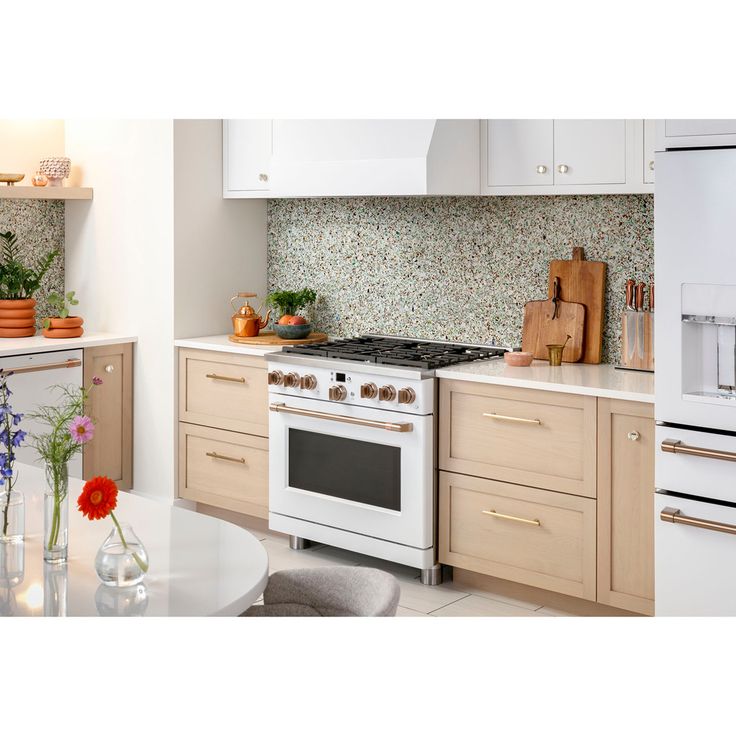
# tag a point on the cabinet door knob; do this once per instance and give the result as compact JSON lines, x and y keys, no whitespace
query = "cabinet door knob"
{"x":633,"y":436}
{"x":563,"y":168}
{"x":541,"y":169}
{"x":109,"y":368}
{"x":262,"y":177}
{"x":651,"y":166}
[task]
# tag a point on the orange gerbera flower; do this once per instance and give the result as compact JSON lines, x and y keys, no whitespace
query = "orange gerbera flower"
{"x":98,"y":498}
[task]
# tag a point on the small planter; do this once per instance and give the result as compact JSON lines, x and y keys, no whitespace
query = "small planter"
{"x":64,"y":327}
{"x":17,"y":317}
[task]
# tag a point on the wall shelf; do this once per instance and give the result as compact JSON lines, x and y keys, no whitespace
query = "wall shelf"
{"x":17,"y":192}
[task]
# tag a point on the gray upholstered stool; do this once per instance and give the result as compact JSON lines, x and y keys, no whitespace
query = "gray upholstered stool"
{"x":329,"y":591}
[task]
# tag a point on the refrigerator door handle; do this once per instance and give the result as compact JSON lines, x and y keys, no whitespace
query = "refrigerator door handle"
{"x":677,"y":447}
{"x":674,"y":516}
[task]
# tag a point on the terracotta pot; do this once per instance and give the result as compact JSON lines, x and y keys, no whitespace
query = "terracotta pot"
{"x":65,"y":323}
{"x":17,"y":317}
{"x":61,"y":333}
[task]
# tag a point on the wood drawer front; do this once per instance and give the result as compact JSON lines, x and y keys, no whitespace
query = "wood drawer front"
{"x":225,"y":483}
{"x":557,"y":453}
{"x":207,"y":397}
{"x":559,"y":554}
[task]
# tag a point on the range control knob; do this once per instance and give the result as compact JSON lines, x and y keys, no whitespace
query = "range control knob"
{"x":387,"y":393}
{"x":337,"y":393}
{"x":308,"y":382}
{"x":275,"y":378}
{"x":368,"y":391}
{"x":407,"y":396}
{"x":291,"y":380}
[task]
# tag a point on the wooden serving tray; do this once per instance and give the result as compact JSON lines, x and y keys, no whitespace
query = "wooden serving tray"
{"x":269,"y":337}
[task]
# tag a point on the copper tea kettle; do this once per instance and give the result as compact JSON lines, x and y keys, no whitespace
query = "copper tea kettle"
{"x":246,"y":321}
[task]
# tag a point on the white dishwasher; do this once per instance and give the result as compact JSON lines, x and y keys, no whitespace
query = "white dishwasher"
{"x":33,"y":382}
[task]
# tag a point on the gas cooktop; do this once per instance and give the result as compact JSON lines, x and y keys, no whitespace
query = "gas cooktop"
{"x":398,"y":351}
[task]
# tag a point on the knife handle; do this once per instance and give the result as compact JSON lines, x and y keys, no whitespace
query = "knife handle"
{"x":639,"y":299}
{"x":630,"y":293}
{"x":651,"y":295}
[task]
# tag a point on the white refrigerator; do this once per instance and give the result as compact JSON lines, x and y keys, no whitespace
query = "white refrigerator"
{"x":695,"y":382}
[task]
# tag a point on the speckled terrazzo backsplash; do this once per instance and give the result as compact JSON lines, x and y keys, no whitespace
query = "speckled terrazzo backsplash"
{"x":451,"y":268}
{"x":39,"y":226}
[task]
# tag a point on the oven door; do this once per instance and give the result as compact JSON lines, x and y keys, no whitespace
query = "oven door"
{"x":367,"y":471}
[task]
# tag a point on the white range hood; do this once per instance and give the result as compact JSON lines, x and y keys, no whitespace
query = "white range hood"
{"x":338,"y":158}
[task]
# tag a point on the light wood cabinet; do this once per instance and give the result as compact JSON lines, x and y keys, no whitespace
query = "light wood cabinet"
{"x":223,"y":430}
{"x":110,"y":405}
{"x":534,"y":438}
{"x":625,"y":505}
{"x":531,"y":536}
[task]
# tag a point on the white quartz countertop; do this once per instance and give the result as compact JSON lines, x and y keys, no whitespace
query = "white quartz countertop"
{"x":41,"y":344}
{"x":571,"y":378}
{"x":222,"y":344}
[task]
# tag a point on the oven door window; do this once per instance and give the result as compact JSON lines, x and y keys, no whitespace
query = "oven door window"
{"x":366,"y":472}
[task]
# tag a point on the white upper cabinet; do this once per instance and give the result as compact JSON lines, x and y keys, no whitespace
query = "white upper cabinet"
{"x":563,"y":157}
{"x":649,"y":148}
{"x":590,"y":152}
{"x":520,"y":153}
{"x":338,"y":158}
{"x":247,"y":152}
{"x":695,"y":133}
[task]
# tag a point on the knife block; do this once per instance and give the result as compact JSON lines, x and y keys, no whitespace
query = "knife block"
{"x":637,"y":340}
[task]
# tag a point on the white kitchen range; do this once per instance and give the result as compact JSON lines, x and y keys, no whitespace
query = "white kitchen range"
{"x":352,"y":440}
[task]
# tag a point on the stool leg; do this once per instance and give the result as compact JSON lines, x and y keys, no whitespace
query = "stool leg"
{"x":298,"y":542}
{"x":432,"y":575}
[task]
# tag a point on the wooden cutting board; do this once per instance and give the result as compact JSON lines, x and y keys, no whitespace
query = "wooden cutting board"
{"x":269,"y":338}
{"x":584,"y":282}
{"x":541,"y":329}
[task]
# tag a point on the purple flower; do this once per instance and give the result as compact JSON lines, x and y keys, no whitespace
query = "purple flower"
{"x":16,"y":419}
{"x":96,"y":380}
{"x":18,"y":438}
{"x":81,"y":429}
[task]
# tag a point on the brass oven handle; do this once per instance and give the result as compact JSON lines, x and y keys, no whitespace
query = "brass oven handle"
{"x":675,"y":517}
{"x":217,"y":456}
{"x":389,"y":426}
{"x":506,"y":418}
{"x":217,"y":377}
{"x":678,"y":448}
{"x":71,"y":363}
{"x":533,"y":522}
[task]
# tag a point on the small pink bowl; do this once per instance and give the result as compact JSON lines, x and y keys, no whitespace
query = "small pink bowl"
{"x":520,"y":360}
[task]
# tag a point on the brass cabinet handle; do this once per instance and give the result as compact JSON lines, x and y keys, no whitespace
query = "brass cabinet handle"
{"x":388,"y":426}
{"x":505,"y":418}
{"x":217,"y":377}
{"x":71,"y":363}
{"x":217,"y":456}
{"x":679,"y":448}
{"x":521,"y":519}
{"x":674,"y":516}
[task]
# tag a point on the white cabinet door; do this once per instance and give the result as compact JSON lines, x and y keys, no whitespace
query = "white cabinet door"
{"x":649,"y":148}
{"x":519,"y":153}
{"x":695,"y":133}
{"x":246,"y":156}
{"x":590,"y":152}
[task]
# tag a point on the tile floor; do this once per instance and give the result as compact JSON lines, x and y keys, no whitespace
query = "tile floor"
{"x":448,"y":599}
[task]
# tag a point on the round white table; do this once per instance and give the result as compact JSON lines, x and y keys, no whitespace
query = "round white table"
{"x":199,"y":565}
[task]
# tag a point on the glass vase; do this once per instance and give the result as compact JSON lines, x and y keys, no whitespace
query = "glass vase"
{"x":56,"y":514}
{"x":12,"y":516}
{"x":122,"y":559}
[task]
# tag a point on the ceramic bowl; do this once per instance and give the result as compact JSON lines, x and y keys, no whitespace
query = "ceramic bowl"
{"x":292,"y":332}
{"x":520,"y":360}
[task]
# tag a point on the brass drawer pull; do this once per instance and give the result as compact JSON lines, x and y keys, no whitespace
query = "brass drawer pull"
{"x":217,"y":456}
{"x":71,"y":363}
{"x":217,"y":377}
{"x":675,"y":517}
{"x":678,"y":448}
{"x":521,"y":519}
{"x":357,"y":421}
{"x":506,"y":418}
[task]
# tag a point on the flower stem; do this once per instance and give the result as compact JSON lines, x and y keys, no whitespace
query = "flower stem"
{"x":9,"y":487}
{"x":143,"y":566}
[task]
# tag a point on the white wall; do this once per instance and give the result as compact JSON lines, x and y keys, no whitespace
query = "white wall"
{"x":220,"y":244}
{"x":23,"y":143}
{"x":120,"y":261}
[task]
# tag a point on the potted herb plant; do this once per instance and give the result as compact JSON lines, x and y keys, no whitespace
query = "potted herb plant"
{"x":62,"y":324}
{"x":18,"y":284}
{"x":292,"y":326}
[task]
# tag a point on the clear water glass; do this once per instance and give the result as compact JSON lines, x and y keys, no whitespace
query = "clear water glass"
{"x":121,"y":562}
{"x":12,"y":516}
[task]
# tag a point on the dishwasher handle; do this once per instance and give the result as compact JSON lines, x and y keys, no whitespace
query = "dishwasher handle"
{"x":71,"y":363}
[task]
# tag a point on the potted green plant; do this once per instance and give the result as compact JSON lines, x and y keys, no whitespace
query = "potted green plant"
{"x":18,"y":284}
{"x":62,"y":324}
{"x":290,"y":325}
